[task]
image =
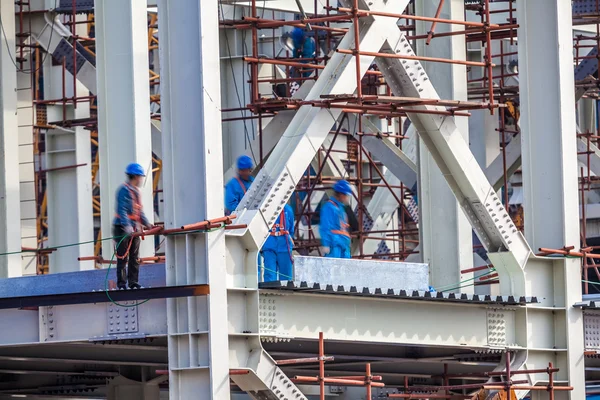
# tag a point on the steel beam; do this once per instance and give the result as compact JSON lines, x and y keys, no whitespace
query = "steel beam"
{"x":351,"y":318}
{"x":70,"y":211}
{"x":307,"y":131}
{"x":10,"y":196}
{"x":123,"y":109}
{"x":192,"y":148}
{"x":263,"y":202}
{"x":446,"y":246}
{"x":549,"y":158}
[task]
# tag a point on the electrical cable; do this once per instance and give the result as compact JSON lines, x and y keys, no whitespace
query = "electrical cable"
{"x":12,"y":59}
{"x":115,"y":253}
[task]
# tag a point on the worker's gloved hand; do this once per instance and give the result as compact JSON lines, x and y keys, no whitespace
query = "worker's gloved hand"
{"x":149,"y":226}
{"x":128,"y":229}
{"x":325,"y":250}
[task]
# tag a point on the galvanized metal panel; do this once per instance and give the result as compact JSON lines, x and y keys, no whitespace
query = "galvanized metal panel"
{"x":362,"y":273}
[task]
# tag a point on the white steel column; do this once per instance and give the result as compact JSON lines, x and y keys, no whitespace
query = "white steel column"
{"x":10,"y":206}
{"x":123,"y":105}
{"x":549,"y":160}
{"x":445,"y":232}
{"x":193,"y":189}
{"x":69,"y":194}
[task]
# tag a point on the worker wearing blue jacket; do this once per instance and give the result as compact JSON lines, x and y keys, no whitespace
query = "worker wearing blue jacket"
{"x":277,"y":250}
{"x":334,"y":227}
{"x":129,"y":218}
{"x":237,"y":187}
{"x":304,"y":47}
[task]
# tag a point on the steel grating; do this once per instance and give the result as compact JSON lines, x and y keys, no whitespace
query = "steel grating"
{"x":320,"y":288}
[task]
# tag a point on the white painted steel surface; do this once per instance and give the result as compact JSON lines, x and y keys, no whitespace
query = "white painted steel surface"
{"x":362,"y":273}
{"x":192,"y":148}
{"x":123,"y":106}
{"x":548,"y":127}
{"x":10,"y":198}
{"x":447,"y":247}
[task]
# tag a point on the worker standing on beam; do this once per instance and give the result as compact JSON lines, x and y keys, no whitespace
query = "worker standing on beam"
{"x":334,"y":227}
{"x":237,"y":187}
{"x":277,"y":250}
{"x":129,"y":218}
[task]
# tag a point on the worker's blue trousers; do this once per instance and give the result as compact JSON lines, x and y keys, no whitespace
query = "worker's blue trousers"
{"x":277,"y":266}
{"x":339,"y":252}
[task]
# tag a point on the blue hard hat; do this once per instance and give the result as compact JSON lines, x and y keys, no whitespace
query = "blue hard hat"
{"x":298,"y":35}
{"x":135,"y":170}
{"x":343,"y":187}
{"x":244,"y":162}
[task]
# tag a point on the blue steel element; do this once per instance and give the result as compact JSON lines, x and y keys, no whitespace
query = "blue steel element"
{"x":81,"y":7}
{"x":64,"y":53}
{"x":588,"y":66}
{"x":584,"y":7}
{"x":86,"y":287}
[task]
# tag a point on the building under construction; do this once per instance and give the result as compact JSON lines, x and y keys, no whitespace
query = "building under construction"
{"x":469,"y":131}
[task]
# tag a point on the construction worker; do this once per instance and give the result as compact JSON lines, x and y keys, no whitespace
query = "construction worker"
{"x":129,"y":218}
{"x":304,"y":48}
{"x":277,"y":250}
{"x":335,"y":237}
{"x":237,"y":187}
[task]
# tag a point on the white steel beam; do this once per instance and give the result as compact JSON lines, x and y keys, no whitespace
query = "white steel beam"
{"x":446,"y":241}
{"x":549,"y":156}
{"x":123,"y":106}
{"x":70,"y":211}
{"x":351,"y":318}
{"x":192,"y":147}
{"x":10,"y":200}
{"x":263,"y":202}
{"x":55,"y":38}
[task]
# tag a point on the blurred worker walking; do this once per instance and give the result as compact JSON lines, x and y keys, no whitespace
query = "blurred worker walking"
{"x":237,"y":187}
{"x":129,"y":218}
{"x":304,"y":48}
{"x":334,"y":227}
{"x":277,"y":250}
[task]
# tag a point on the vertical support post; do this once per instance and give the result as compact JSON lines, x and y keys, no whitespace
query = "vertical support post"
{"x":549,"y":125}
{"x":193,"y":191}
{"x":124,"y":131}
{"x":69,"y":192}
{"x":10,"y":206}
{"x":446,"y":247}
{"x":549,"y":155}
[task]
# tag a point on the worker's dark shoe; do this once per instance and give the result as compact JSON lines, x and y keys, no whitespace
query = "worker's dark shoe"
{"x":122,"y":287}
{"x":135,"y":286}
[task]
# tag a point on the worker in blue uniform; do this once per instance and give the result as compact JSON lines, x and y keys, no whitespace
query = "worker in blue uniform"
{"x":334,"y":227}
{"x":129,"y":218}
{"x":277,"y":250}
{"x":237,"y":187}
{"x":304,"y":47}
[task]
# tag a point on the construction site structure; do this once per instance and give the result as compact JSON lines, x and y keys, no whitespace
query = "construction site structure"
{"x":468,"y":129}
